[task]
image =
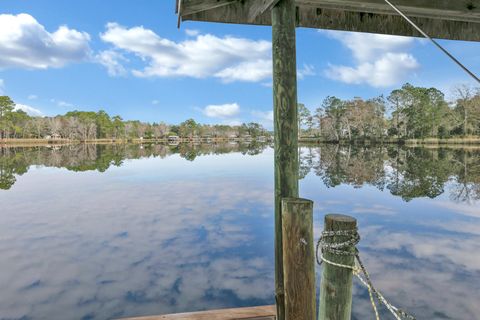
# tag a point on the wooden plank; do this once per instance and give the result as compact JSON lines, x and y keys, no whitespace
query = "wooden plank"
{"x":258,"y":7}
{"x":459,"y":10}
{"x":337,"y":285}
{"x":331,"y":19}
{"x":252,"y":313}
{"x":298,"y":259}
{"x":194,"y":6}
{"x":285,"y":127}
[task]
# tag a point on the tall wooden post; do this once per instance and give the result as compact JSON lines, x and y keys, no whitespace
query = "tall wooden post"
{"x":298,"y":259}
{"x":285,"y":126}
{"x":336,"y":286}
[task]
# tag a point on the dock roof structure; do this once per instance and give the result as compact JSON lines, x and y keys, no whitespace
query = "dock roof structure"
{"x":443,"y":19}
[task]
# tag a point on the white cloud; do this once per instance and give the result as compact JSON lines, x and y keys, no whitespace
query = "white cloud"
{"x":233,"y":123}
{"x":387,"y":71}
{"x":227,"y":58}
{"x":29,"y":110}
{"x":112,"y":60}
{"x":62,"y":104}
{"x":263,"y":115}
{"x":306,"y":70}
{"x":2,"y":86}
{"x":25,"y":43}
{"x":192,"y":33}
{"x":265,"y":118}
{"x":247,"y":71}
{"x":381,"y":60}
{"x":32,"y":97}
{"x":368,"y":46}
{"x":222,"y":111}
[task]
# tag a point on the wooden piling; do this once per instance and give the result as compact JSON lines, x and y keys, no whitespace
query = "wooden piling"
{"x":298,"y":259}
{"x":285,"y":126}
{"x":336,"y":286}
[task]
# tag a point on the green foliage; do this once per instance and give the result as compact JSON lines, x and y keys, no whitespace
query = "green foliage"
{"x":408,"y":113}
{"x":406,"y":172}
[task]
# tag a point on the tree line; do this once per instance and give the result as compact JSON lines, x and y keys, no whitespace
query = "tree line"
{"x":407,"y":113}
{"x":89,"y":125}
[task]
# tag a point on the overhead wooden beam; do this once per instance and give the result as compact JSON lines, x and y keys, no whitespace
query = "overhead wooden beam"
{"x":195,"y":6}
{"x":459,"y":10}
{"x":310,"y":16}
{"x":258,"y":7}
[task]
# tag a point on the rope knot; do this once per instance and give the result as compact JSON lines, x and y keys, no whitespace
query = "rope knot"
{"x":344,"y":248}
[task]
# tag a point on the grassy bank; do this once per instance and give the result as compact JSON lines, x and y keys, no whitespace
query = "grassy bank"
{"x":46,"y":142}
{"x":436,"y":141}
{"x":411,"y":142}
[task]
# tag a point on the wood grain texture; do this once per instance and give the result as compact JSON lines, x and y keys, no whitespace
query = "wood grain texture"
{"x":455,"y":20}
{"x":462,"y":10}
{"x":253,"y":313}
{"x":285,"y":127}
{"x":258,"y":7}
{"x":298,"y":259}
{"x":194,"y":6}
{"x":336,"y":284}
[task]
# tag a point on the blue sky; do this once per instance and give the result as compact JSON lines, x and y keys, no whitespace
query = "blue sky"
{"x":128,"y":58}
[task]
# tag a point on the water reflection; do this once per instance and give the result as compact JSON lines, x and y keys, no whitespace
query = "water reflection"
{"x":121,"y":243}
{"x":98,"y":232}
{"x":15,"y":161}
{"x":405,"y":171}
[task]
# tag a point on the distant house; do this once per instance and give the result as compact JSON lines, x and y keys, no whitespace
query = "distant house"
{"x":207,"y":138}
{"x":54,"y":136}
{"x":173,"y":140}
{"x":247,"y":137}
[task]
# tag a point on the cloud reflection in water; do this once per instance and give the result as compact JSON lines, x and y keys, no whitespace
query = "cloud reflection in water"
{"x":161,"y":234}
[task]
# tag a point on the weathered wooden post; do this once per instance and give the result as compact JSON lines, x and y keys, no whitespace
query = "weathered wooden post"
{"x":298,"y":259}
{"x":285,"y":126}
{"x":336,"y":286}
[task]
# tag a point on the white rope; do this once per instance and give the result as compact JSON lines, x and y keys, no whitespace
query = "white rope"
{"x":358,"y":268}
{"x":433,"y":41}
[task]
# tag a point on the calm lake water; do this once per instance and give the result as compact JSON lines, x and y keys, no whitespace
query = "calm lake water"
{"x":101,"y":232}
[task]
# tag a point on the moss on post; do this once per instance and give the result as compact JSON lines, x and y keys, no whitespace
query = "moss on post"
{"x":336,"y":286}
{"x":285,"y":126}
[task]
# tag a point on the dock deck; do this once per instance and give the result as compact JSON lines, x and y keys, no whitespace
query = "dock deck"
{"x":253,"y":313}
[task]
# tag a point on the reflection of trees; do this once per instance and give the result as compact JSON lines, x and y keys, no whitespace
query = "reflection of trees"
{"x":191,"y":151}
{"x":350,"y":164}
{"x":407,"y":172}
{"x":466,"y":184}
{"x":12,"y":164}
{"x":15,"y":161}
{"x":419,"y":172}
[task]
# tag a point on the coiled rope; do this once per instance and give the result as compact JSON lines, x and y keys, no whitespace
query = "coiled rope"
{"x":358,"y":268}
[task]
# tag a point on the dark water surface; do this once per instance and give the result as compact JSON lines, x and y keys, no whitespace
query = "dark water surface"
{"x":99,"y":232}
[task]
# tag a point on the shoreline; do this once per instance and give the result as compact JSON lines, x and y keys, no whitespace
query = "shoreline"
{"x":427,"y":142}
{"x":61,"y":142}
{"x":406,"y":142}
